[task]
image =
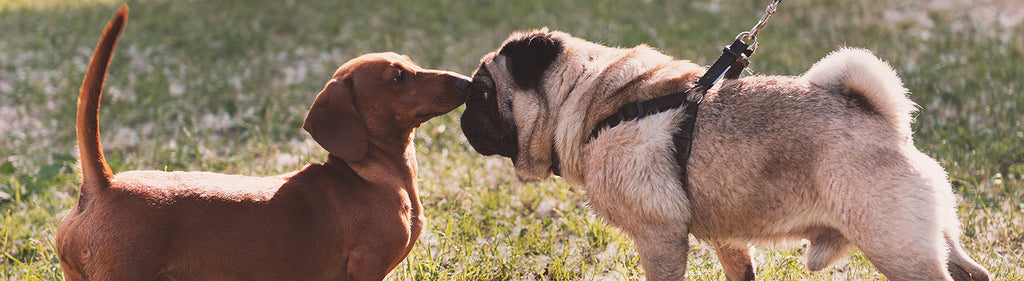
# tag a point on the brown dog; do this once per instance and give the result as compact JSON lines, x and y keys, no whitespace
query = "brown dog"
{"x":353,"y":218}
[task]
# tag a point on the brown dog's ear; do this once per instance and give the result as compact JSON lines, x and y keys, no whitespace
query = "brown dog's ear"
{"x":334,"y":123}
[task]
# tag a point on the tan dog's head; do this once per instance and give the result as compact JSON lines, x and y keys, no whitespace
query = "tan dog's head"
{"x":506,"y":113}
{"x":379,"y":96}
{"x":536,"y":99}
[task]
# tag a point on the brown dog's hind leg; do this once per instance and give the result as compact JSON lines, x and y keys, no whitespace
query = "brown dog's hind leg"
{"x":735,"y":261}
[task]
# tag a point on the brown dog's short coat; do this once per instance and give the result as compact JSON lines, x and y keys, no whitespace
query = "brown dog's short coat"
{"x":353,"y":218}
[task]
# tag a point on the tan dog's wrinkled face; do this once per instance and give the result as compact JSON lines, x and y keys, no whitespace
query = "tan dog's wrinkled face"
{"x":377,"y":94}
{"x":507,"y":91}
{"x":537,"y":97}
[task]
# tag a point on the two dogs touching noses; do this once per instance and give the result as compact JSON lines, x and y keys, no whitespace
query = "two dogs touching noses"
{"x":354,"y":217}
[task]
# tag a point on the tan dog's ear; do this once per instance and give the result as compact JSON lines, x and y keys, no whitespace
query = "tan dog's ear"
{"x":334,"y":123}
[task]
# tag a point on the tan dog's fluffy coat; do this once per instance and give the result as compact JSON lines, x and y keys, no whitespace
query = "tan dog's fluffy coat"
{"x":827,"y":156}
{"x":353,"y":218}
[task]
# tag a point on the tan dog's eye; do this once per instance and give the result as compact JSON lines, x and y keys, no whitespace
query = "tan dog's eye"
{"x":484,"y":85}
{"x":399,"y":77}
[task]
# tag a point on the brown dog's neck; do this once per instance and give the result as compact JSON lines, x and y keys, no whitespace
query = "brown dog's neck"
{"x":338,"y":165}
{"x":389,"y":160}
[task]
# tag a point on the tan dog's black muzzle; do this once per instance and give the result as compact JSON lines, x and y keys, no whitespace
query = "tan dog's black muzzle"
{"x":485,"y":129}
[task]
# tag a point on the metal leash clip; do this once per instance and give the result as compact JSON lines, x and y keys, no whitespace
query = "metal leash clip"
{"x":751,"y":35}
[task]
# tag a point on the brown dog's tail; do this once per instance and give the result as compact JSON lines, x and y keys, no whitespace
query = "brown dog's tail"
{"x":96,"y":173}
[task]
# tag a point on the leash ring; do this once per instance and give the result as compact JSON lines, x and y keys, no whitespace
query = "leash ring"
{"x":747,"y":35}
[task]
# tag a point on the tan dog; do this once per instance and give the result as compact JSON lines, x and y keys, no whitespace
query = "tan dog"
{"x":825,"y":157}
{"x":353,"y":218}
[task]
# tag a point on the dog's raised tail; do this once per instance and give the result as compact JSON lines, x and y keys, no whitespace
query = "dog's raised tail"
{"x":860,"y":73}
{"x":95,"y":171}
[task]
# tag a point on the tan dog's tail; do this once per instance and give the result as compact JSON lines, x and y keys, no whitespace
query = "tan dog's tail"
{"x":870,"y":79}
{"x":96,"y":173}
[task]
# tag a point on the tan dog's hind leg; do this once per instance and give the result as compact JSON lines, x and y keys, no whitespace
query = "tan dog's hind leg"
{"x":735,"y":260}
{"x":826,"y":248}
{"x":900,"y":214}
{"x":901,"y":245}
{"x":961,"y":266}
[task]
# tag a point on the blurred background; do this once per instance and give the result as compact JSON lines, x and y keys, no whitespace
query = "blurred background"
{"x":224,"y":85}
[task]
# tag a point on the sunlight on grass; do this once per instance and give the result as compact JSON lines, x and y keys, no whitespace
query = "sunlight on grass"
{"x":223,"y":86}
{"x":49,"y":4}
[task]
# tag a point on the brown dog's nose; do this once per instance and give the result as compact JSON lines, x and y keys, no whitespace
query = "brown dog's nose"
{"x":463,"y":83}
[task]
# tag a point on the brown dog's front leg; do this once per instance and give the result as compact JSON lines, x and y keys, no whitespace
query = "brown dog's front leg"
{"x":735,"y":261}
{"x":366,"y":268}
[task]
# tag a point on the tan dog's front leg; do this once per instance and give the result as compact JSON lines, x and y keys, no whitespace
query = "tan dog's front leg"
{"x":663,"y":256}
{"x":735,"y":261}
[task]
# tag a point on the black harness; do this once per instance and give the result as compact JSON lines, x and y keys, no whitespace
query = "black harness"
{"x":732,"y":62}
{"x":729,"y":65}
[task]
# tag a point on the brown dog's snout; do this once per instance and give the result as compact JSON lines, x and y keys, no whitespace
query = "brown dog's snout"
{"x":460,"y":83}
{"x":463,"y":83}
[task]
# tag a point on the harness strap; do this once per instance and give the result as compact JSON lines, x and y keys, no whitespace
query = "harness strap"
{"x":682,"y":140}
{"x":736,"y":61}
{"x":737,"y":67}
{"x":636,"y":110}
{"x":733,"y":60}
{"x":730,"y":55}
{"x":729,"y":65}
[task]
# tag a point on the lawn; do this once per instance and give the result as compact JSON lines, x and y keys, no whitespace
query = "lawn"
{"x":224,"y":85}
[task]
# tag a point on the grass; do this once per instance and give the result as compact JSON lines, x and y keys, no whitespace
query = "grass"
{"x":223,"y":86}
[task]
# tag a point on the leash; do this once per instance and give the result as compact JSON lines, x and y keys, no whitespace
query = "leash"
{"x":729,"y":65}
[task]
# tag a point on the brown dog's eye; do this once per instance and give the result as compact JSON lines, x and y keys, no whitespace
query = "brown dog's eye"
{"x":399,"y":77}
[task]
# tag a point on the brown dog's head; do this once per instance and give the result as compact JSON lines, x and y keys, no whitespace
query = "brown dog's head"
{"x":380,"y":96}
